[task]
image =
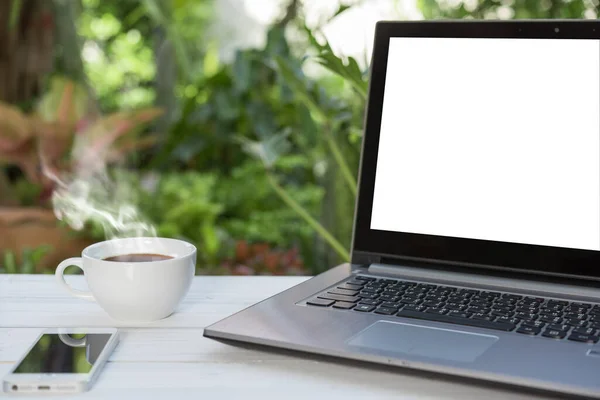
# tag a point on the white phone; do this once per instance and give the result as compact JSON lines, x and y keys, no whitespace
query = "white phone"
{"x":63,"y":360}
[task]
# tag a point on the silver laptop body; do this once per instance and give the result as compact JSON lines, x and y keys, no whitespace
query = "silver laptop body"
{"x":476,"y":247}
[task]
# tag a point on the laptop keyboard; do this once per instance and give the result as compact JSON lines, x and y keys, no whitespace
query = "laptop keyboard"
{"x":525,"y":315}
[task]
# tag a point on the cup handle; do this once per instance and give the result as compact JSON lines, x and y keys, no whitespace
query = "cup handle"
{"x":60,"y":277}
{"x":70,"y":341}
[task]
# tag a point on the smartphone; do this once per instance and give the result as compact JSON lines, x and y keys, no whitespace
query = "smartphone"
{"x":63,"y":360}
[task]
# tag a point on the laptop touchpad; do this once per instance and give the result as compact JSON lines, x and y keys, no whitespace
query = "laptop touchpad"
{"x":448,"y":344}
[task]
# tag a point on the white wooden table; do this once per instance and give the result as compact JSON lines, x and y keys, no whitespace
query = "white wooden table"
{"x":171,"y":359}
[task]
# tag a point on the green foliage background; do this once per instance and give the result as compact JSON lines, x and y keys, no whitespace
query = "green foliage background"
{"x":251,"y":150}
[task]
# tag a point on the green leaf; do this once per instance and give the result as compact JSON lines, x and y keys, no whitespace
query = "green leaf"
{"x":211,"y":60}
{"x":348,"y":70}
{"x":27,"y":266}
{"x":156,"y":12}
{"x":38,"y":253}
{"x":10,"y":262}
{"x":340,"y":10}
{"x":268,"y":150}
{"x":210,"y":239}
{"x":299,"y":88}
{"x":15,"y":14}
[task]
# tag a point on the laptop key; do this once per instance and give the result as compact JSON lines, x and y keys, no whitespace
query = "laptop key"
{"x":369,"y":302}
{"x":349,"y":286}
{"x":500,"y":326}
{"x":419,"y":308}
{"x":525,"y":310}
{"x":501,"y":313}
{"x":386,"y":310}
{"x":550,"y":314}
{"x":558,"y":327}
{"x":528,"y":330}
{"x":364,"y":278}
{"x":385,"y":297}
{"x":575,"y":310}
{"x":343,"y":292}
{"x":557,"y":302}
{"x":582,"y":305}
{"x":509,"y":320}
{"x":576,"y":323}
{"x":527,"y":316}
{"x":337,"y":297}
{"x":477,"y":309}
{"x":441,"y":311}
{"x":460,"y":314}
{"x":483,"y":317}
{"x":434,"y":304}
{"x":583,"y":338}
{"x":364,"y":308}
{"x":533,"y":323}
{"x":479,"y":303}
{"x":580,"y":317}
{"x":585,"y":331}
{"x":371,"y":289}
{"x":367,"y":296}
{"x":343,"y":305}
{"x":551,"y":320}
{"x":356,"y":282}
{"x":427,"y":285}
{"x":411,"y":301}
{"x":320,"y":302}
{"x":490,"y":294}
{"x":457,"y":307}
{"x":534,"y":299}
{"x":554,"y":334}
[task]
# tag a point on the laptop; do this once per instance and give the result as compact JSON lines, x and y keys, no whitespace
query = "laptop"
{"x":476,"y":243}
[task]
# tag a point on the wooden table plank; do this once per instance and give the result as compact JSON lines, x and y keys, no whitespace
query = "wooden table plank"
{"x":175,"y":361}
{"x":283,"y":379}
{"x":37,"y":301}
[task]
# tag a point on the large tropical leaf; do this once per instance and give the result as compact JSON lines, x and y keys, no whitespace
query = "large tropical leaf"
{"x":347,"y":67}
{"x":102,"y":134}
{"x":65,"y":103}
{"x":14,"y":127}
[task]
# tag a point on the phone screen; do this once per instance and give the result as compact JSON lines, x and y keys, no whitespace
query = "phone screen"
{"x":67,"y":353}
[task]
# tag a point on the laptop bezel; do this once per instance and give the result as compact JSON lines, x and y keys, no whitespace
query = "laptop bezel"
{"x":481,"y":254}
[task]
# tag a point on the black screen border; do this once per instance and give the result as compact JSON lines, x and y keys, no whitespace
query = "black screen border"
{"x":480,"y":254}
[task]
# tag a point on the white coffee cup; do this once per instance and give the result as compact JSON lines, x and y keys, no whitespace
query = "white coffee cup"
{"x":134,"y":291}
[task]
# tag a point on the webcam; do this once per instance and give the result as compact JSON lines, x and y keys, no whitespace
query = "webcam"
{"x":556,"y":30}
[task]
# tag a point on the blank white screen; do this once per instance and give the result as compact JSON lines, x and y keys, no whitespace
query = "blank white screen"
{"x":493,"y":139}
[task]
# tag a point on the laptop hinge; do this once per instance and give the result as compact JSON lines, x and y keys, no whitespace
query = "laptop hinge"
{"x":364,"y":258}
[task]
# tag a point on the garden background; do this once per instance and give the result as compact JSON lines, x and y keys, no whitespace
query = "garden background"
{"x":233,"y":124}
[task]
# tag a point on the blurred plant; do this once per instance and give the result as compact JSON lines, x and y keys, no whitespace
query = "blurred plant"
{"x":332,"y":117}
{"x":492,"y":9}
{"x":183,"y":205}
{"x":252,"y":211}
{"x":251,"y":102}
{"x":261,"y":259}
{"x":136,"y":53}
{"x":42,"y":142}
{"x":30,"y":260}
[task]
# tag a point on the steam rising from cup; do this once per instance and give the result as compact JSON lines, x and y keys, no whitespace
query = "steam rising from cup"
{"x":87,"y":193}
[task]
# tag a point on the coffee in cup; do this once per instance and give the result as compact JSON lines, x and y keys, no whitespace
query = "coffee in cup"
{"x":138,"y":257}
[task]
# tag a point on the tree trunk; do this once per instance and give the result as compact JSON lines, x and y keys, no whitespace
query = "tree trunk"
{"x":26,"y":48}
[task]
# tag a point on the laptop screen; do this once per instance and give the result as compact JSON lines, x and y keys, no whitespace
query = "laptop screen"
{"x":492,"y":139}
